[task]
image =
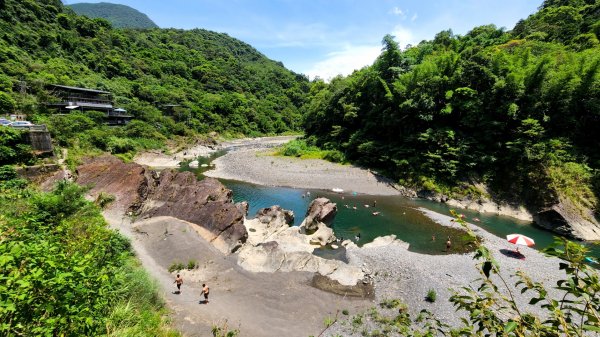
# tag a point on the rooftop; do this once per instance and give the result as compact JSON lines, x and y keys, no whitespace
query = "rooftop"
{"x":66,"y":87}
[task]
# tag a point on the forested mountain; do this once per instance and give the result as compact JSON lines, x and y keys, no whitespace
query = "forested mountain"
{"x":221,"y":83}
{"x":120,"y":16}
{"x":518,"y":110}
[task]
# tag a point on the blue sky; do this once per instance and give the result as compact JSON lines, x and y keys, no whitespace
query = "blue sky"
{"x":329,"y":37}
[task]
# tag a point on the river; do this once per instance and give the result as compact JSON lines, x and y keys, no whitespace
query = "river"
{"x":396,"y":215}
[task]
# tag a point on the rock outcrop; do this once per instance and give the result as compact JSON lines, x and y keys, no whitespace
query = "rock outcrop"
{"x":146,"y":193}
{"x":320,"y":210}
{"x":273,"y":245}
{"x":566,"y":219}
{"x":207,"y":203}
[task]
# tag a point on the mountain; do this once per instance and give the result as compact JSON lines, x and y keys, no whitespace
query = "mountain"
{"x":220,"y":83}
{"x":120,"y":16}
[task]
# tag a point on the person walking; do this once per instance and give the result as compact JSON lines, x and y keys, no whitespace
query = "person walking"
{"x":205,"y":291}
{"x":178,"y":281}
{"x":448,"y":244}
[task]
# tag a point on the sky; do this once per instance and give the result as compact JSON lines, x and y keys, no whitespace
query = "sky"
{"x":326,"y":38}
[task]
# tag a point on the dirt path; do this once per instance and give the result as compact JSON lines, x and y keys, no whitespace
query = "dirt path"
{"x":259,"y":304}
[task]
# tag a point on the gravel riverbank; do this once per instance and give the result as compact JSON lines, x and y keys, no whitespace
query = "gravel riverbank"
{"x":408,"y":276}
{"x":258,"y":167}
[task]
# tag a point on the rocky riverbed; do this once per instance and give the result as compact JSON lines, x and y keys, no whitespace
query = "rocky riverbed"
{"x":160,"y":213}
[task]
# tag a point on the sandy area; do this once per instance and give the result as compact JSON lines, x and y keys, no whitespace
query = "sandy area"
{"x":162,"y":159}
{"x":259,"y":304}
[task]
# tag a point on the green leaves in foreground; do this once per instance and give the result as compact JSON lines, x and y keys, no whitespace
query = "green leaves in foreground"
{"x":63,"y":273}
{"x":493,"y":309}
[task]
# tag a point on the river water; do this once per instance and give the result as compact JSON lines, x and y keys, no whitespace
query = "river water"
{"x":396,"y":215}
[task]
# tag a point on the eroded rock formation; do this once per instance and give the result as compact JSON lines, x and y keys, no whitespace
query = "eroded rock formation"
{"x":320,"y":210}
{"x":146,"y":193}
{"x":567,"y":219}
{"x":273,"y":245}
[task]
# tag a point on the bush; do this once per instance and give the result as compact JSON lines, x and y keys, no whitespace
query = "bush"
{"x":118,"y":145}
{"x":431,"y":296}
{"x":390,"y":304}
{"x":176,"y":266}
{"x":104,"y":199}
{"x":334,"y":156}
{"x":7,"y":172}
{"x":65,"y":274}
{"x":192,"y":264}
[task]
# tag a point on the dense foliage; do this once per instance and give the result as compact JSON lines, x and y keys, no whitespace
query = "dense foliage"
{"x":63,"y":273}
{"x":120,"y":16}
{"x":220,"y":84}
{"x":518,"y":110}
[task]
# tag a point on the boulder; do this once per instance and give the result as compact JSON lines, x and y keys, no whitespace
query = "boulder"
{"x":319,"y":210}
{"x":322,"y":236}
{"x":387,"y":240}
{"x":127,"y":182}
{"x":566,"y":219}
{"x":243,"y":207}
{"x":269,"y":257}
{"x":273,"y":245}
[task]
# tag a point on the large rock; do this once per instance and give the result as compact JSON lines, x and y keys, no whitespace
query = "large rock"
{"x":319,"y":210}
{"x":273,"y":245}
{"x":270,"y":257}
{"x":207,"y":203}
{"x":146,"y":193}
{"x":111,"y":175}
{"x":566,"y":219}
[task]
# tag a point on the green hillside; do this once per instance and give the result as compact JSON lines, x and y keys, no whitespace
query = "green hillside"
{"x":517,"y":110}
{"x":221,"y":84}
{"x":120,"y":16}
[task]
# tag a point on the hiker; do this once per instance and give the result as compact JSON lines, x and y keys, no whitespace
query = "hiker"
{"x":205,"y":292}
{"x":448,"y":244}
{"x":179,"y":282}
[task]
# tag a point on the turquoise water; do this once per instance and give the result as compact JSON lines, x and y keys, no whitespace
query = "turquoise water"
{"x":397,"y":216}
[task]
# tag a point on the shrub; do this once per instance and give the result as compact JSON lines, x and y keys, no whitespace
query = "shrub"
{"x":118,"y":145}
{"x":104,"y":199}
{"x":192,"y":264}
{"x":390,"y":304}
{"x":7,"y":172}
{"x":431,"y":295}
{"x":176,"y":266}
{"x":334,"y":156}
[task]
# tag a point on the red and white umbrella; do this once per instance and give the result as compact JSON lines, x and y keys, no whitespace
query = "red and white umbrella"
{"x":519,"y":239}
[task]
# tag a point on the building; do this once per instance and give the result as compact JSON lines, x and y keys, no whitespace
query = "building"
{"x":67,"y":99}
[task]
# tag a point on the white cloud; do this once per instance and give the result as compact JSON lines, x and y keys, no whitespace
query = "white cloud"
{"x":344,"y":62}
{"x":404,"y":36}
{"x":414,"y":17}
{"x":398,"y":11}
